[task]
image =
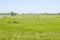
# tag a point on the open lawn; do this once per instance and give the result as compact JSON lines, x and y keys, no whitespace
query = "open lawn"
{"x":30,"y":27}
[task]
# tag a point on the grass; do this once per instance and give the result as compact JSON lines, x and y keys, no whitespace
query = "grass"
{"x":30,"y":27}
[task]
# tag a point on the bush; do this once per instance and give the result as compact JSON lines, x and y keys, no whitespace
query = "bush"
{"x":15,"y":21}
{"x":4,"y":17}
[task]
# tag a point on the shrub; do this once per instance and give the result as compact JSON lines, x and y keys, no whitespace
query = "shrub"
{"x":15,"y":21}
{"x":4,"y":17}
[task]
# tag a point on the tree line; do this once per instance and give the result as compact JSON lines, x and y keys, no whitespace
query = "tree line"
{"x":14,"y":13}
{"x":11,"y":13}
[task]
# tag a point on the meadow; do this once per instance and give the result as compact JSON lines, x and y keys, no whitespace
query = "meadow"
{"x":30,"y":27}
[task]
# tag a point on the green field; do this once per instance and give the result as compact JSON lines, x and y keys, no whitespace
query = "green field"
{"x":30,"y":27}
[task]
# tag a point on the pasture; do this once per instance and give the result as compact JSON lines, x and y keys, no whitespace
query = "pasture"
{"x":30,"y":27}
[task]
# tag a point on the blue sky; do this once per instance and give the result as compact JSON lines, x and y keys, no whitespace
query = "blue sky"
{"x":30,"y":6}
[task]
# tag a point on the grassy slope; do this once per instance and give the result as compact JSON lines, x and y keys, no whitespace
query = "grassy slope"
{"x":16,"y":27}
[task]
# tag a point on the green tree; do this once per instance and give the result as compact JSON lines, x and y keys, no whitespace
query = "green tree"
{"x":13,"y":14}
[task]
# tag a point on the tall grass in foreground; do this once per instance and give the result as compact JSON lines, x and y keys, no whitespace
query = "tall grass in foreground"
{"x":30,"y":27}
